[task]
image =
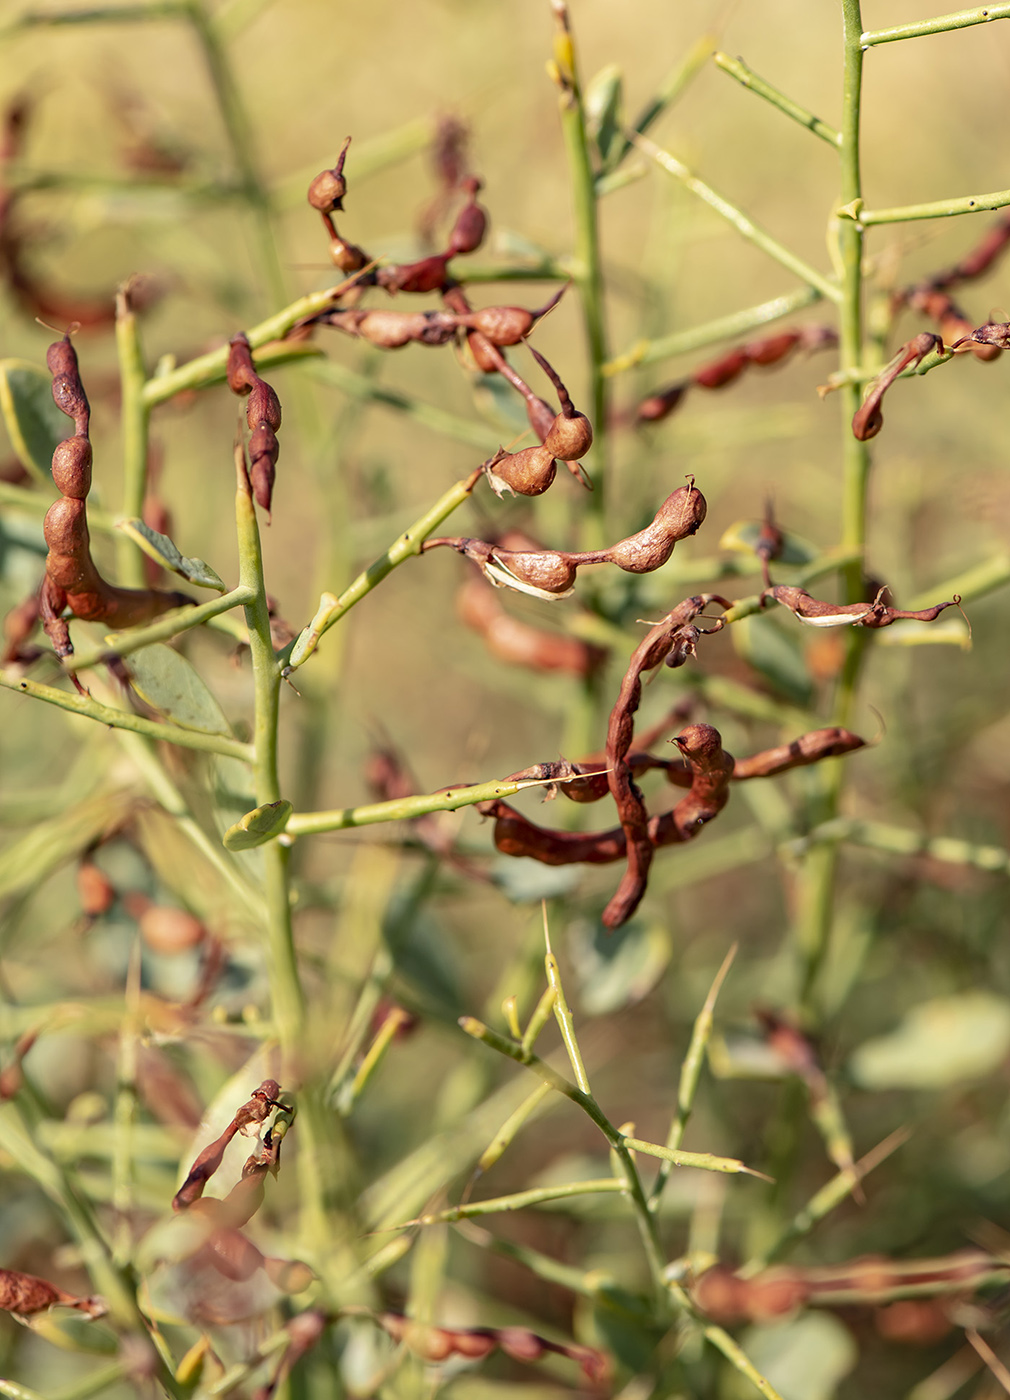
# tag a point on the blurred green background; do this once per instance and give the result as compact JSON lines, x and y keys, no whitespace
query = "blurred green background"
{"x":403,"y":669}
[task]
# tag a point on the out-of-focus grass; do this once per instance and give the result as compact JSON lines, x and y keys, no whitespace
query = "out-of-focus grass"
{"x":908,"y":930}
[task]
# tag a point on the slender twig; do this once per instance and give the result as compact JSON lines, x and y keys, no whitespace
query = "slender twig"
{"x":135,"y":416}
{"x":739,"y":220}
{"x":937,"y":209}
{"x":963,"y":19}
{"x":645,"y":352}
{"x":331,"y":609}
{"x":736,"y":68}
{"x":122,"y":719}
{"x":167,"y":627}
{"x":535,"y":1196}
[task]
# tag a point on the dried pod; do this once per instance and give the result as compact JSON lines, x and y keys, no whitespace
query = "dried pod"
{"x":544,"y":573}
{"x":722,"y":371}
{"x":170,"y":931}
{"x":660,"y":405}
{"x":68,"y":391}
{"x":426,"y":275}
{"x":241,"y":371}
{"x":19,"y":624}
{"x":72,"y":467}
{"x":680,"y":515}
{"x":526,"y":473}
{"x":517,"y":642}
{"x":348,"y":257}
{"x":773,"y":348}
{"x":508,"y":325}
{"x":25,"y":1294}
{"x":327,"y":190}
{"x":571,"y":434}
{"x":868,"y":420}
{"x":471,"y":222}
{"x":95,"y":890}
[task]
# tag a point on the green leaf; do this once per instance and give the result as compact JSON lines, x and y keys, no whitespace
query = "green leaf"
{"x":946,"y":1040}
{"x":259,"y":826}
{"x":161,"y":549}
{"x":604,"y":105}
{"x":169,"y":684}
{"x":34,"y":423}
{"x":742,"y":538}
{"x":615,"y":969}
{"x":776,"y":654}
{"x":804,"y":1358}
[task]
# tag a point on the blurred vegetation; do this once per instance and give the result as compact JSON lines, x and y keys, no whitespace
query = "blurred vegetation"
{"x":174,"y":142}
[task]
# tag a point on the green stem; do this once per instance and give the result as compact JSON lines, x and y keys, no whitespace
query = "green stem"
{"x":644,"y":352}
{"x":212,"y":368}
{"x":535,"y":1196}
{"x":644,"y":1218}
{"x":286,"y":988}
{"x":168,"y":626}
{"x":737,"y":69}
{"x":402,"y":809}
{"x":331,"y":609}
{"x":897,"y":840}
{"x":676,"y":82}
{"x":587,"y":269}
{"x":739,"y":220}
{"x":135,"y":415}
{"x":735,"y":1354}
{"x":121,"y":719}
{"x":963,"y":19}
{"x":937,"y":209}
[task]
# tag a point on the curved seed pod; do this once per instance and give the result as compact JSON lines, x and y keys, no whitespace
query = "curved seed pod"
{"x":526,"y":473}
{"x":992,"y":333}
{"x":868,"y":420}
{"x":348,"y":257}
{"x":808,"y":748}
{"x":817,"y":613}
{"x":545,"y":573}
{"x":391,"y":330}
{"x":68,"y":391}
{"x":772,"y":349}
{"x":241,"y":372}
{"x":680,"y":515}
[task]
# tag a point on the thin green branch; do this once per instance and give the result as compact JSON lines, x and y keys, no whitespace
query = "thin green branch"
{"x":690,"y":1073}
{"x":587,"y":270}
{"x":135,"y":417}
{"x":331,"y":609}
{"x":963,"y":19}
{"x":506,"y":1133}
{"x":736,"y":68}
{"x":101,"y":14}
{"x":739,"y":220}
{"x":938,"y":209}
{"x":644,"y":352}
{"x":535,"y":1196}
{"x":563,"y":1015}
{"x":168,"y":626}
{"x":211,"y":368}
{"x":703,"y":1161}
{"x":121,"y":719}
{"x":897,"y":840}
{"x":736,"y":1355}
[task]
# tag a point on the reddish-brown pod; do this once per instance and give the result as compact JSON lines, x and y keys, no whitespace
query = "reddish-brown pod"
{"x":72,"y":467}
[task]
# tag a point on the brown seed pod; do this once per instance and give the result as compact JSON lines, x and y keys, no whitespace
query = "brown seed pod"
{"x":518,"y":643}
{"x":426,"y":275}
{"x":571,"y":434}
{"x":526,"y":473}
{"x":868,"y":420}
{"x":722,"y":371}
{"x":680,"y":515}
{"x":660,"y":405}
{"x":25,"y":1294}
{"x":327,"y":190}
{"x":508,"y":325}
{"x":68,"y":391}
{"x":471,"y":222}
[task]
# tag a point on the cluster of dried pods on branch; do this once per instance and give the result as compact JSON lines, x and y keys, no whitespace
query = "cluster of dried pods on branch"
{"x":565,"y":435}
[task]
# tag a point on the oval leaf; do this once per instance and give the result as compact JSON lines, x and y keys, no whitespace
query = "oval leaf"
{"x":619,"y":968}
{"x":943,"y":1041}
{"x":169,"y":684}
{"x":34,"y":424}
{"x":164,"y":552}
{"x":257,"y":827}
